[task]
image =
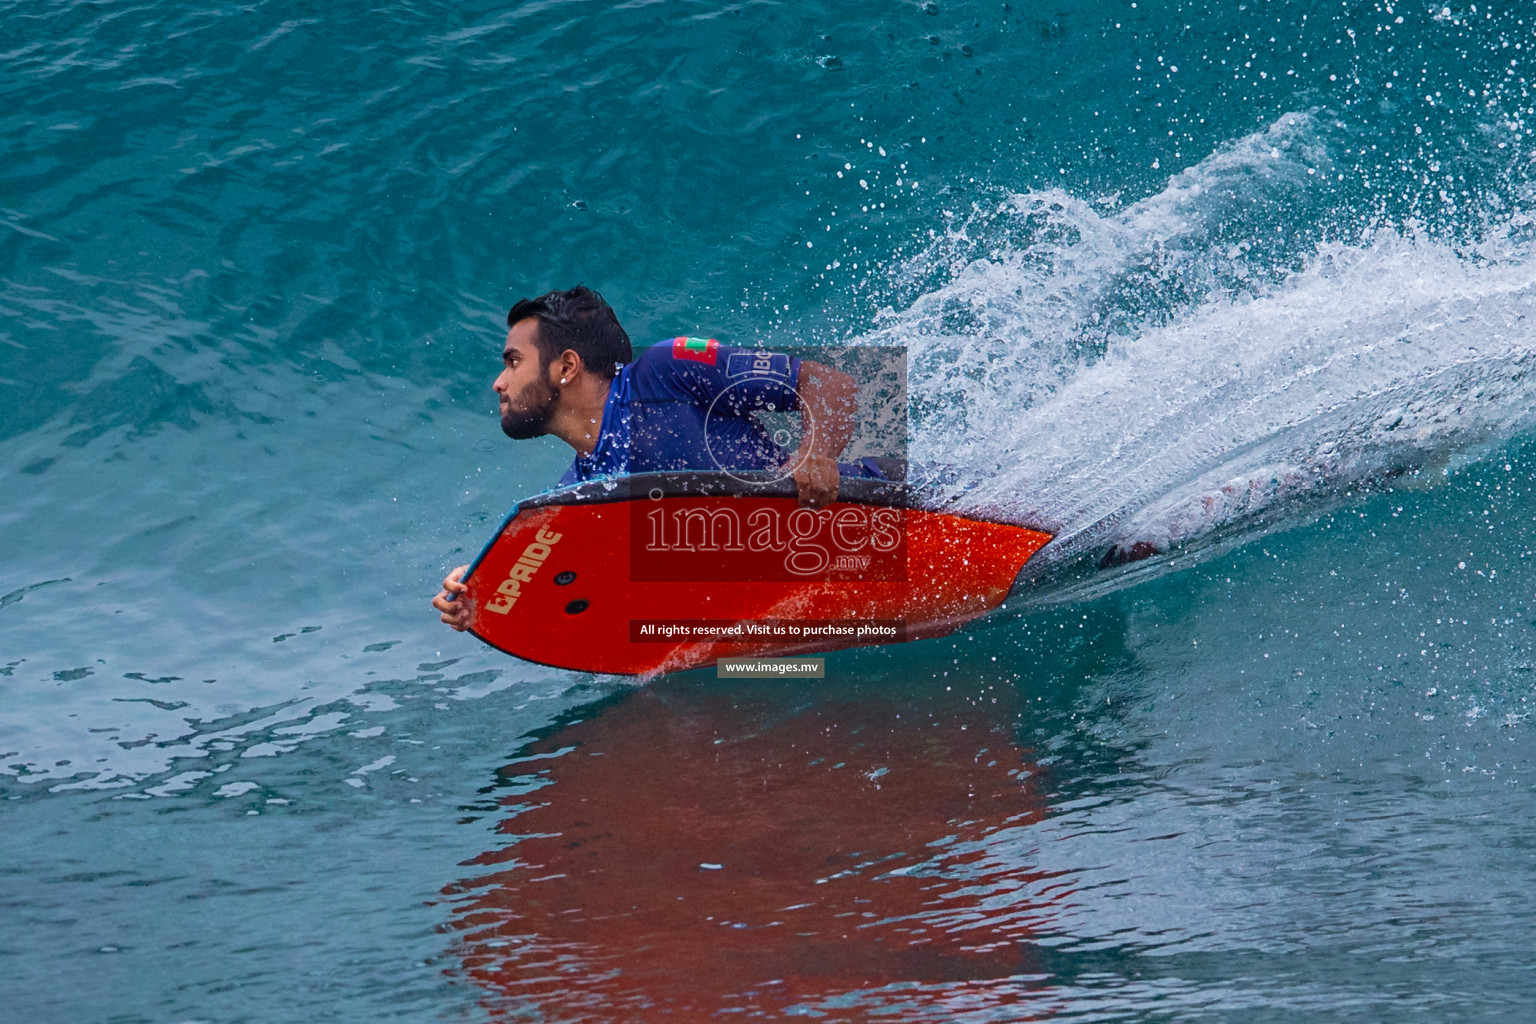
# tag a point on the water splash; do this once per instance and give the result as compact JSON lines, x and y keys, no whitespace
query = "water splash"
{"x":1164,"y":378}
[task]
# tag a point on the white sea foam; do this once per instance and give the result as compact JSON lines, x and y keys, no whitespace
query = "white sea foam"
{"x":1145,"y":380}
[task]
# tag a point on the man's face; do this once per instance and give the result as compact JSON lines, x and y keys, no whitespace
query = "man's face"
{"x":527,"y":398}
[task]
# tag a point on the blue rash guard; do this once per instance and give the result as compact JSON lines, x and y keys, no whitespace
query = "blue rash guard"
{"x":688,"y":404}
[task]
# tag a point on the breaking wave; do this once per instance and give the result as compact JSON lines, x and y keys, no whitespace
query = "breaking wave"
{"x":1154,"y":382}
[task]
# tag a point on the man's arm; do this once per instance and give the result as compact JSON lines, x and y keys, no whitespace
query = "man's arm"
{"x":828,"y":403}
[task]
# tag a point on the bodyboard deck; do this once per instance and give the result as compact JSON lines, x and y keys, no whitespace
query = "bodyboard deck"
{"x":663,"y":572}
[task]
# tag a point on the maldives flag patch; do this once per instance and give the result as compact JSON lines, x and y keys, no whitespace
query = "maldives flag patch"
{"x":700,"y":350}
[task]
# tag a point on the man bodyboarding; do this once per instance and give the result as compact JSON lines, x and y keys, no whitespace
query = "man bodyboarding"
{"x":569,"y":370}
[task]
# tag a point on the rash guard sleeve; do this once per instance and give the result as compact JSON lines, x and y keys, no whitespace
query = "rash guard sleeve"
{"x":734,"y":380}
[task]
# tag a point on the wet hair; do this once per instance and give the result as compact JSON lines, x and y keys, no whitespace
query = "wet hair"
{"x":577,"y":319}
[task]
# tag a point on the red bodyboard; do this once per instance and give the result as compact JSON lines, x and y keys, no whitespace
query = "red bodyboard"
{"x":671,"y":571}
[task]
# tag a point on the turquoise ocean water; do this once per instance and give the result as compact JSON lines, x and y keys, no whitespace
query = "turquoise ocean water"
{"x":1248,"y":282}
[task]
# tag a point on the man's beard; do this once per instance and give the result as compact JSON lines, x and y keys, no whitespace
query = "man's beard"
{"x":538,"y":403}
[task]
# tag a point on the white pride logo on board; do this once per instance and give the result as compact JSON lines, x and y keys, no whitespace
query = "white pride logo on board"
{"x":523,"y":570}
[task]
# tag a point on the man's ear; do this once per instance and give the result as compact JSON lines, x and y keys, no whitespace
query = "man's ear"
{"x":566,"y":366}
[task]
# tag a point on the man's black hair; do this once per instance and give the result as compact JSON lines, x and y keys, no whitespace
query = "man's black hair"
{"x":577,"y":319}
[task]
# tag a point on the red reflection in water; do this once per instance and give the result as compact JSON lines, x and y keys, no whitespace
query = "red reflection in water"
{"x":714,"y":850}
